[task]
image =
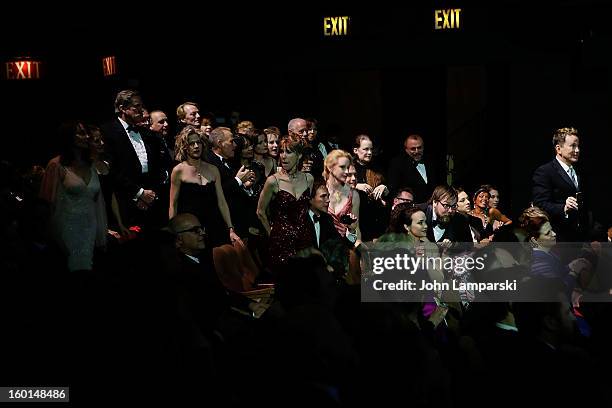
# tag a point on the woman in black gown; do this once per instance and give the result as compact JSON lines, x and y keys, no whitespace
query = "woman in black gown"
{"x":196,"y":189}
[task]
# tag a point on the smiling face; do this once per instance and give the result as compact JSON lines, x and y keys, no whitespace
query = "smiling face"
{"x":415,"y":148}
{"x":482,"y":200}
{"x":569,"y":151}
{"x":192,"y":115}
{"x":339,"y":170}
{"x":364,"y":151}
{"x":159,"y":123}
{"x":273,"y":145}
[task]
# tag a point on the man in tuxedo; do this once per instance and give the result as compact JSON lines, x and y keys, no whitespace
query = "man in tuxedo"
{"x":410,"y":170}
{"x":237,"y":185}
{"x":203,"y":300}
{"x":444,"y":224}
{"x":324,"y":229}
{"x":134,"y":156}
{"x":559,"y":189}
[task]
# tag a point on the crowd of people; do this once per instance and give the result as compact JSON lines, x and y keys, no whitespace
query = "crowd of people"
{"x":225,"y":264}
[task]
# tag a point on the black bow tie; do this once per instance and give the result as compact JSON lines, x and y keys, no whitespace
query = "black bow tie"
{"x":316,"y":218}
{"x":132,"y":128}
{"x":436,"y":222}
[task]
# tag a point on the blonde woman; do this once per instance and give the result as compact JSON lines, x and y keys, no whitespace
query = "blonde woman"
{"x":196,"y":189}
{"x":343,"y":200}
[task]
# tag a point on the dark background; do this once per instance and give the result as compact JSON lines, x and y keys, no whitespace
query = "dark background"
{"x":490,"y":94}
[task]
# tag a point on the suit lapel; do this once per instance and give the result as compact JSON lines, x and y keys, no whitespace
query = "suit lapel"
{"x":563,"y":174}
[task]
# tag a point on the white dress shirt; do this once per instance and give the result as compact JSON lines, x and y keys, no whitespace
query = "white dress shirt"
{"x":317,"y":226}
{"x":438,"y":231}
{"x":422,"y":171}
{"x":139,"y":146}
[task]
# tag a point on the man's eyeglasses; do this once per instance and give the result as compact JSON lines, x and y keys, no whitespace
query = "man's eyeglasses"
{"x":197,"y":229}
{"x":449,"y":206}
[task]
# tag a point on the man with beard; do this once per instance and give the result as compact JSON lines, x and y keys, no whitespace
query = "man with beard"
{"x":444,"y":225}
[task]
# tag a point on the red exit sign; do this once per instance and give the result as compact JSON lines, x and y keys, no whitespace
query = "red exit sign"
{"x":109,"y":66}
{"x":22,"y":69}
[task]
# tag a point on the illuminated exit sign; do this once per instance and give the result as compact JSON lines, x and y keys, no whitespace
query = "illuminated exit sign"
{"x":22,"y":69}
{"x":335,"y":26}
{"x":109,"y":66}
{"x":447,"y":19}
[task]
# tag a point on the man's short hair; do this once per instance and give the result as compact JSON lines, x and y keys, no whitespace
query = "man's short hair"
{"x":560,"y":134}
{"x":124,"y":98}
{"x":218,"y":134}
{"x":404,"y":190}
{"x":443,"y":192}
{"x":180,"y":111}
{"x":317,"y":184}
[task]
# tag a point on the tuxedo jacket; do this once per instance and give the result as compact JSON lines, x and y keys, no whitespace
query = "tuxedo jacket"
{"x":238,"y":201}
{"x":125,"y":167}
{"x":327,"y":231}
{"x":457,"y":231}
{"x":201,"y":295}
{"x":551,"y":187}
{"x":403,"y":173}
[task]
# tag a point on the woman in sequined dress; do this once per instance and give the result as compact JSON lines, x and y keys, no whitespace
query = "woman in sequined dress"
{"x":283,"y":205}
{"x":72,"y":187}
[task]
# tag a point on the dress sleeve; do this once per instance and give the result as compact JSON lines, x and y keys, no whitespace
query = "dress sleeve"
{"x":54,"y":174}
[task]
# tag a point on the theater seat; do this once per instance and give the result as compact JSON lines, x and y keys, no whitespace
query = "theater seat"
{"x":237,"y":271}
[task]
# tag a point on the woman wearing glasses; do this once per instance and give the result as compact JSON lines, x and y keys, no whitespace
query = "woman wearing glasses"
{"x":196,"y":189}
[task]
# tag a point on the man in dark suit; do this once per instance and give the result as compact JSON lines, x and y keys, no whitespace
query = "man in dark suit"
{"x":134,"y":159}
{"x":444,"y":224}
{"x":558,"y":189}
{"x":410,"y":170}
{"x":237,"y":185}
{"x":323,"y":225}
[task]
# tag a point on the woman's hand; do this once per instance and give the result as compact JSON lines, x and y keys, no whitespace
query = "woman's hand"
{"x":380,"y":191}
{"x":234,"y":237}
{"x":365,"y":187}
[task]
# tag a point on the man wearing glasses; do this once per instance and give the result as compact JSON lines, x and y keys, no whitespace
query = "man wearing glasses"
{"x":444,"y":225}
{"x":202,"y":296}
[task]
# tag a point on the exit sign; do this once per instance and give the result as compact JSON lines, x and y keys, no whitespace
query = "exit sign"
{"x":447,"y":19}
{"x":109,"y":66}
{"x":22,"y":69}
{"x":335,"y":26}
